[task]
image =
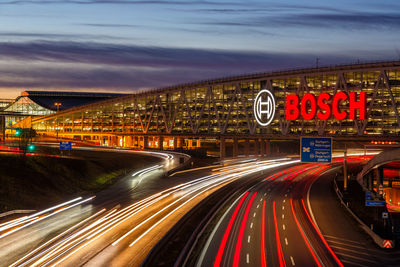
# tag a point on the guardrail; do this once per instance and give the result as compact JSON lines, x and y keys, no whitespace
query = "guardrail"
{"x":377,"y":239}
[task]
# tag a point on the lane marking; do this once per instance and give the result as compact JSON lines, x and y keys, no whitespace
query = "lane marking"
{"x":283,"y":207}
{"x":292,"y":260}
{"x":247,"y":258}
{"x":254,"y":214}
{"x":283,"y":216}
{"x":263,"y":256}
{"x":241,"y":232}
{"x":284,"y":200}
{"x":286,"y":242}
{"x":278,"y":241}
{"x":251,"y":225}
{"x":248,"y":239}
{"x":284,"y":227}
{"x":265,"y":194}
{"x":261,"y":199}
{"x":285,"y":195}
{"x":258,"y":206}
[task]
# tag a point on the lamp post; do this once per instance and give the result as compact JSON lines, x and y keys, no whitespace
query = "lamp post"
{"x":57,"y":104}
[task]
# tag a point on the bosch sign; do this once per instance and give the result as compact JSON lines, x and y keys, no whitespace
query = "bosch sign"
{"x":325,"y":105}
{"x":264,"y":107}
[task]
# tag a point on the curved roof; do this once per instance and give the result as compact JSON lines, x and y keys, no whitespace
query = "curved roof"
{"x":68,"y":100}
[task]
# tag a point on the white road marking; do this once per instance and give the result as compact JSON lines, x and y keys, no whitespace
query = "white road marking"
{"x":286,"y":241}
{"x":261,"y":199}
{"x":248,"y":239}
{"x":283,"y":207}
{"x":283,"y":216}
{"x":247,"y":258}
{"x":254,"y":215}
{"x":251,"y":225}
{"x":285,"y":195}
{"x":283,"y":226}
{"x":258,"y":206}
{"x":265,"y":194}
{"x":291,"y":258}
{"x":284,"y":200}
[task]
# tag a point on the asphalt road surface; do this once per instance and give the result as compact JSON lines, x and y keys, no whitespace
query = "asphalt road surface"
{"x":291,"y":218}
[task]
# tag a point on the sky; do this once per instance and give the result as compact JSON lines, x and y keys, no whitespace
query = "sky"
{"x":128,"y":46}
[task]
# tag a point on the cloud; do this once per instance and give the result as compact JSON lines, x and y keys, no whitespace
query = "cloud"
{"x":99,"y":66}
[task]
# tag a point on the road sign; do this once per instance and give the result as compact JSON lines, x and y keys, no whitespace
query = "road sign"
{"x":375,"y":203}
{"x":65,"y":145}
{"x":385,"y":215}
{"x":387,"y":243}
{"x":316,"y":149}
{"x":368,"y":196}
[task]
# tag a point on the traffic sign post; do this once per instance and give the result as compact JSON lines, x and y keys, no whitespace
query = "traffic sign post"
{"x":316,"y":149}
{"x":65,"y":145}
{"x":375,"y":203}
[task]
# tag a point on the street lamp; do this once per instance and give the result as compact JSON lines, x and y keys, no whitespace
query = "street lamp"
{"x":57,"y":104}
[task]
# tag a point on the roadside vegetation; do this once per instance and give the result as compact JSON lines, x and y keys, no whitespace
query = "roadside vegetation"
{"x":34,"y":182}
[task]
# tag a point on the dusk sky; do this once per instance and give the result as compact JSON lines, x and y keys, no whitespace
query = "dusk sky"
{"x":125,"y":46}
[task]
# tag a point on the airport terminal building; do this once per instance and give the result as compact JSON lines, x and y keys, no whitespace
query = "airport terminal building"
{"x":359,"y":101}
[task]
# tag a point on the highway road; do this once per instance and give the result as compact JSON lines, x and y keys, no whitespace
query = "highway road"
{"x":112,"y":230}
{"x":277,"y":223}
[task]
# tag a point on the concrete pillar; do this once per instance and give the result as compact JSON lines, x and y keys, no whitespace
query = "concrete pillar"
{"x":247,"y":147}
{"x":267,"y":148}
{"x":160,"y":143}
{"x":379,"y":179}
{"x":370,"y":180}
{"x":222,"y":148}
{"x":262,"y":147}
{"x":128,"y":141}
{"x":145,"y":142}
{"x":235,"y":147}
{"x":256,"y":147}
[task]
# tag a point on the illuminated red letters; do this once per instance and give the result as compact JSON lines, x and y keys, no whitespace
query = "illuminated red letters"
{"x":324,"y":106}
{"x":310,"y":106}
{"x":292,"y":110}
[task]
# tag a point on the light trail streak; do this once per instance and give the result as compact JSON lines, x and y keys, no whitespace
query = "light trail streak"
{"x":26,"y":218}
{"x":70,"y":245}
{"x":241,"y":232}
{"x":221,"y":248}
{"x":282,"y":262}
{"x":55,"y":238}
{"x":45,"y":217}
{"x":304,"y":236}
{"x":321,"y":236}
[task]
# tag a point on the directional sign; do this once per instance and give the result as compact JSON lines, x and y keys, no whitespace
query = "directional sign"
{"x":316,"y":149}
{"x":375,"y":203}
{"x":368,"y":196}
{"x":387,"y":244}
{"x":65,"y":145}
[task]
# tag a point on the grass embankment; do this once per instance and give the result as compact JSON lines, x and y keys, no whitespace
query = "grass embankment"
{"x":35,"y":182}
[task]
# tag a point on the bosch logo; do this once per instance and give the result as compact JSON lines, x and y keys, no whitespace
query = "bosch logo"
{"x":264,"y":107}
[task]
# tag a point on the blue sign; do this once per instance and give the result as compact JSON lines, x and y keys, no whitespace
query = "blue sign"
{"x":368,"y":196}
{"x":316,"y":149}
{"x":65,"y":145}
{"x":375,"y":203}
